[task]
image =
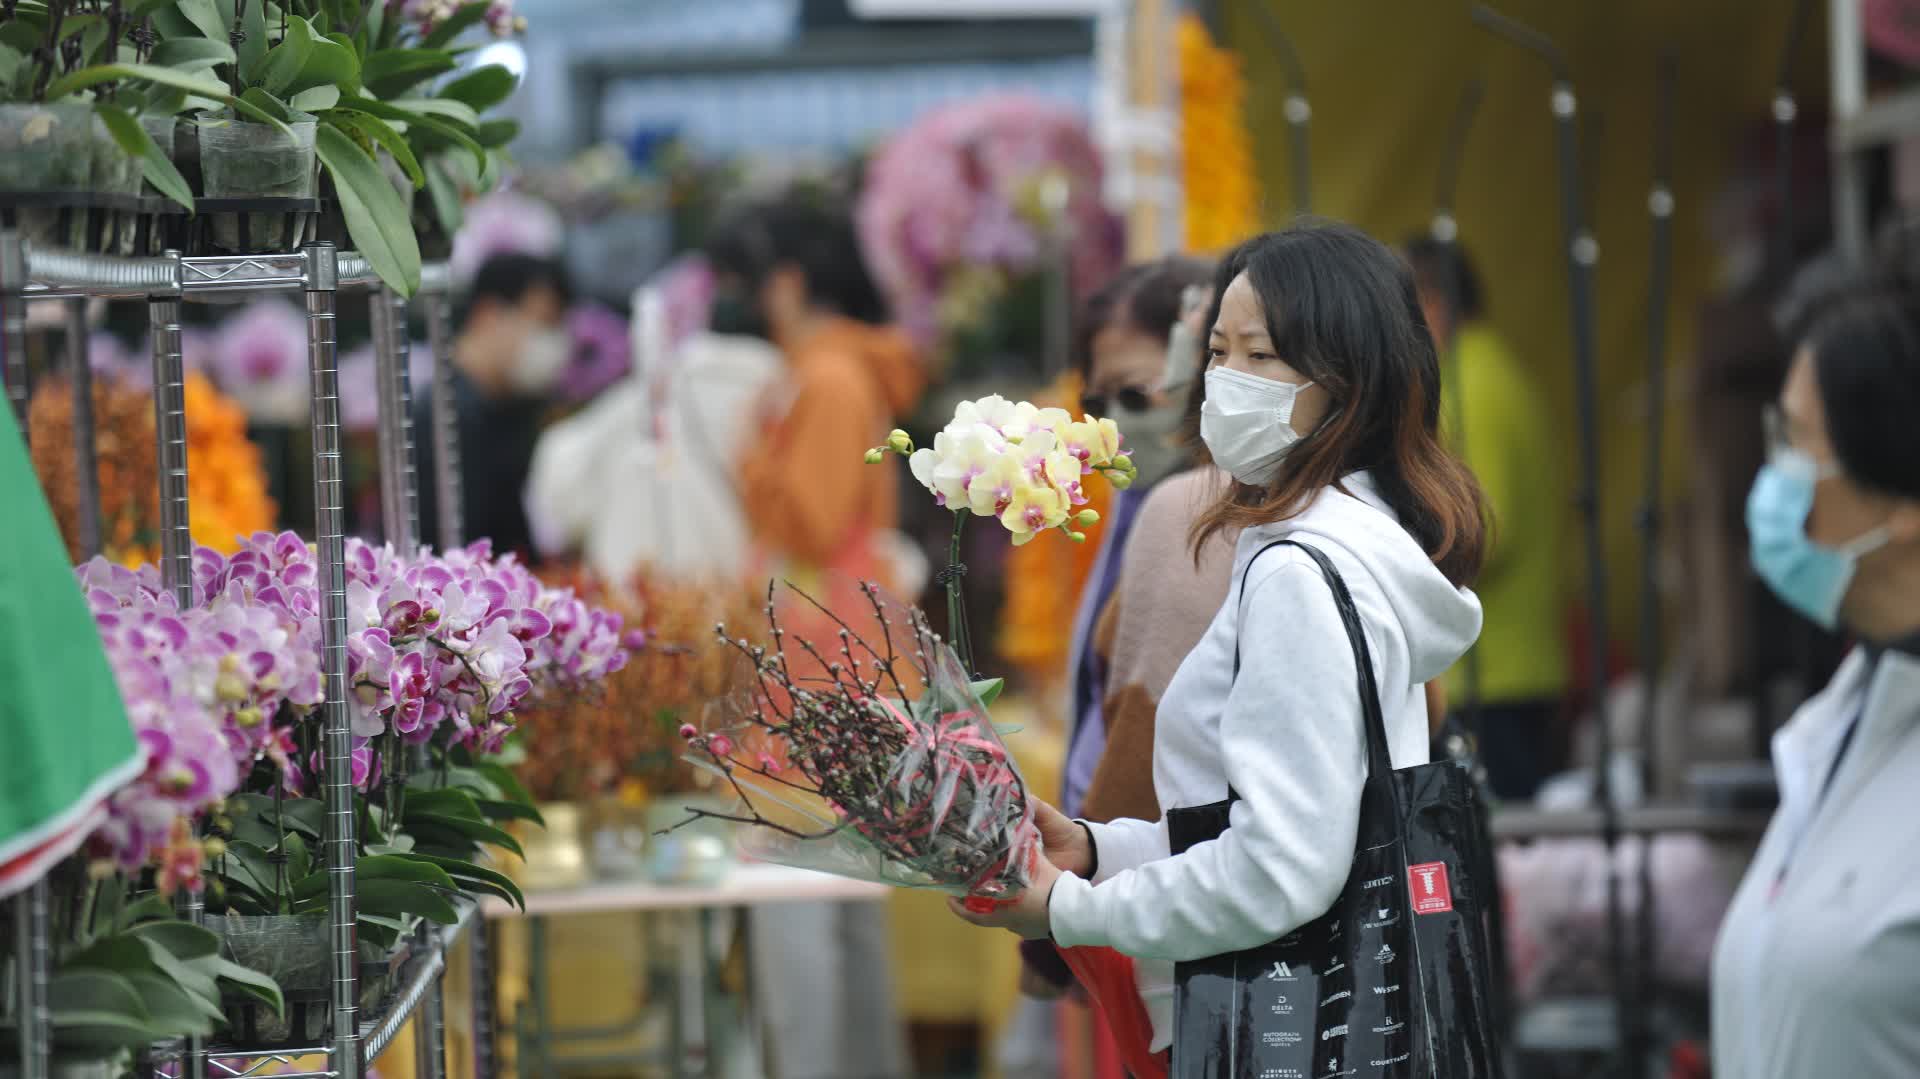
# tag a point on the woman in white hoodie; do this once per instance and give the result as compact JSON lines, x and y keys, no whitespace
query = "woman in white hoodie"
{"x":1322,"y":401}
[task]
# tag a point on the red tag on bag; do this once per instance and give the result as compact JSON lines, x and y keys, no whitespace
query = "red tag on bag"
{"x":1428,"y":883}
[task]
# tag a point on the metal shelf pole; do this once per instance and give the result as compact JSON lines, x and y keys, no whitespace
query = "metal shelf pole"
{"x":448,"y":495}
{"x":13,"y":323}
{"x":399,"y":493}
{"x":320,"y":284}
{"x":85,"y":460}
{"x":170,"y":426}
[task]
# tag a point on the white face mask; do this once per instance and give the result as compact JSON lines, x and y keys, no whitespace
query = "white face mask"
{"x":1247,"y":423}
{"x":542,"y":360}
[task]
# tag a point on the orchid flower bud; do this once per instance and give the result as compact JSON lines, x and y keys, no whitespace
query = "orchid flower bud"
{"x":1086,"y":517}
{"x":899,"y":441}
{"x":875,"y":456}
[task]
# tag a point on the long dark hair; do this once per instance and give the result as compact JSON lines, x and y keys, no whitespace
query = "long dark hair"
{"x":1342,"y":310}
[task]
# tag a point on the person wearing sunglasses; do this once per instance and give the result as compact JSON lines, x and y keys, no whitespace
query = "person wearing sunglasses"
{"x":1817,"y":967}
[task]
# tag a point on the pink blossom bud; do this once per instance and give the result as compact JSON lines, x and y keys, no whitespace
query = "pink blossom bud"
{"x":688,"y":732}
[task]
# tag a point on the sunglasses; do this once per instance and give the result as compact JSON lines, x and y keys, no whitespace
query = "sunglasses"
{"x":1130,"y":399}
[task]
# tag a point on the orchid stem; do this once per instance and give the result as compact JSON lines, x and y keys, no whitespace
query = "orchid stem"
{"x":952,"y":577}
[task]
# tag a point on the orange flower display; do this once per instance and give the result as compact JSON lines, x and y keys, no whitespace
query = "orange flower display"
{"x":226,"y":479}
{"x":1043,"y":580}
{"x":226,"y":483}
{"x":622,"y":736}
{"x":1222,"y":195}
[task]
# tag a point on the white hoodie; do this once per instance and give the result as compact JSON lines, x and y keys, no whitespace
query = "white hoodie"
{"x":1285,"y":736}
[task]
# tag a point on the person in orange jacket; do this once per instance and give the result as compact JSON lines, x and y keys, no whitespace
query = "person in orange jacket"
{"x":791,"y":272}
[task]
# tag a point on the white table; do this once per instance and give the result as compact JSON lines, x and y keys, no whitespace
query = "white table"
{"x":693,"y":973}
{"x":751,"y":885}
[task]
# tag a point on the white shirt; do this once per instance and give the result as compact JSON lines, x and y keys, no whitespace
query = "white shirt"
{"x":1817,"y":969}
{"x":1285,"y":735}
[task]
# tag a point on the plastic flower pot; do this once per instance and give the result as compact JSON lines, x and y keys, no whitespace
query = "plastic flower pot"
{"x":293,"y":950}
{"x":114,"y":174}
{"x":240,"y":160}
{"x":45,"y":151}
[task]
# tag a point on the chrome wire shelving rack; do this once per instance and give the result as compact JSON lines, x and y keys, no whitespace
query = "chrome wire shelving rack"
{"x":318,"y":272}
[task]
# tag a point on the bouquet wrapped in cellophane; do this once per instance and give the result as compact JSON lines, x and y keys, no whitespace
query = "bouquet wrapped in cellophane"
{"x":871,"y":755}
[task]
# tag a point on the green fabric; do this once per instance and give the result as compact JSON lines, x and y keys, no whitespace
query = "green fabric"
{"x":1510,"y":444}
{"x":65,"y":743}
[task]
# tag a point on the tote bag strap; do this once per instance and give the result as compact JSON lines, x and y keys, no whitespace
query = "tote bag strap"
{"x":1379,"y":763}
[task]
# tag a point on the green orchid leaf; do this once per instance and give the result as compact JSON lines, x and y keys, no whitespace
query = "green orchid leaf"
{"x":383,"y":135}
{"x":251,"y":867}
{"x":184,"y":940}
{"x":315,"y":100}
{"x":94,"y":990}
{"x":448,"y":832}
{"x":378,"y":220}
{"x":444,"y":802}
{"x":20,"y":37}
{"x":252,"y":983}
{"x":400,"y":867}
{"x":118,"y":955}
{"x":988,"y":690}
{"x":146,"y":909}
{"x":330,"y":62}
{"x":134,"y":141}
{"x":283,"y":63}
{"x":191,"y":54}
{"x":496,"y":134}
{"x":482,"y":88}
{"x":389,"y":73}
{"x":267,"y":105}
{"x":170,"y":1009}
{"x":456,"y":112}
{"x":445,"y":196}
{"x":478,"y":878}
{"x":196,"y":84}
{"x":495,"y":810}
{"x":194,"y":976}
{"x":86,"y":1032}
{"x":509,"y":784}
{"x":453,"y":26}
{"x":205,"y":17}
{"x":398,"y":898}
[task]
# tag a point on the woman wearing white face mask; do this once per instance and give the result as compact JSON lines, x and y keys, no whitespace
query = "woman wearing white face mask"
{"x":1817,"y":969}
{"x":1322,"y":403}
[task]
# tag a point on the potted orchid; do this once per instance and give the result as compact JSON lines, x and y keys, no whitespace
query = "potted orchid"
{"x":224,"y":696}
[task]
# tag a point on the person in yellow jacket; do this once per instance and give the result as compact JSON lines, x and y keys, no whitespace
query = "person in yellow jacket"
{"x":1495,"y":416}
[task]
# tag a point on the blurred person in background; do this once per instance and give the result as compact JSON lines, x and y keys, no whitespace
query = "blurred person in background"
{"x":791,"y":272}
{"x":1137,"y":351}
{"x":820,"y":517}
{"x":1496,"y":418}
{"x":508,"y":354}
{"x":1817,"y":967}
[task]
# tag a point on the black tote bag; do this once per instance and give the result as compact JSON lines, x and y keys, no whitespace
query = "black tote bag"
{"x":1394,"y":981}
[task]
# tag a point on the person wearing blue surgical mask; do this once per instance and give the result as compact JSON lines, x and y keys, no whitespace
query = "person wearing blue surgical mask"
{"x":1817,"y":967}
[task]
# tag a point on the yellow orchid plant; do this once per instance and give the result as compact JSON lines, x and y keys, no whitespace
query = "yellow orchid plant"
{"x":1014,"y":462}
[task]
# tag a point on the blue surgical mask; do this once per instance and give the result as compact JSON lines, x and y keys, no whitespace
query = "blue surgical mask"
{"x":1809,"y":577}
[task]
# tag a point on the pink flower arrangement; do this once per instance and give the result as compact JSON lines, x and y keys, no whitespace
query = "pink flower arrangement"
{"x":437,"y":648}
{"x":965,"y":191}
{"x":603,"y":351}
